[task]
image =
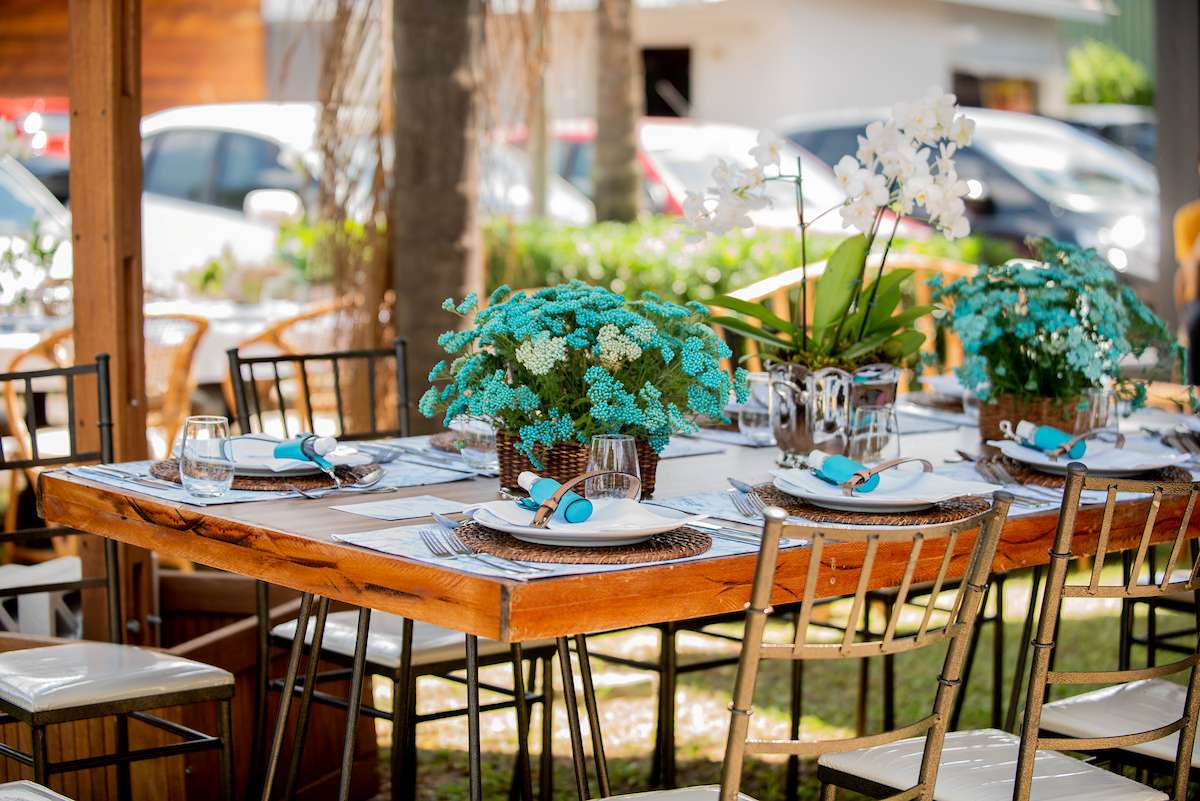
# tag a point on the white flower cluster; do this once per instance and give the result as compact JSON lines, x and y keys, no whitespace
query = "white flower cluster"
{"x":11,"y":142}
{"x":908,"y":162}
{"x":615,"y":347}
{"x":736,"y":191}
{"x":539,"y":357}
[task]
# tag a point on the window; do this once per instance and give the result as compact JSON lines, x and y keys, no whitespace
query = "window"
{"x":248,"y":163}
{"x":182,"y":165}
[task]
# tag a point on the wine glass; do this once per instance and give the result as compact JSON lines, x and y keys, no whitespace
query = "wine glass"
{"x":874,"y":435}
{"x":476,"y":441}
{"x":754,"y":416}
{"x":205,"y":464}
{"x":611,"y":452}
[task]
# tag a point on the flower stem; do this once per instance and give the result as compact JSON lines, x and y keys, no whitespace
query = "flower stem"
{"x":802,"y":301}
{"x":878,"y":276}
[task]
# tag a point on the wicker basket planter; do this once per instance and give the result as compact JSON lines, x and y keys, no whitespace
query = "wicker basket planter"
{"x":564,"y":461}
{"x":1060,"y":413}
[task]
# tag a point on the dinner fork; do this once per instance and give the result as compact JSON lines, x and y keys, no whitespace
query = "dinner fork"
{"x":753,"y":502}
{"x":445,"y":545}
{"x":449,"y":526}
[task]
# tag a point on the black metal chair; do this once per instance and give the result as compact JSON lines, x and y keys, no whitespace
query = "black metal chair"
{"x":395,"y":649}
{"x":84,"y":680}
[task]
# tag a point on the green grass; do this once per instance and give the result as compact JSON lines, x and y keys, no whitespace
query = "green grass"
{"x":1088,"y":639}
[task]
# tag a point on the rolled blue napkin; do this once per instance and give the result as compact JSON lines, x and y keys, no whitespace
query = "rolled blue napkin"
{"x":572,"y":508}
{"x":307,"y":448}
{"x":1047,"y":439}
{"x":836,"y":469}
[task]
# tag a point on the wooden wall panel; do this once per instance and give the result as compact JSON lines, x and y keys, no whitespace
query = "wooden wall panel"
{"x":193,"y":51}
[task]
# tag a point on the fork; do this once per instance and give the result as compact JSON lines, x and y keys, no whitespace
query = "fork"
{"x":1019,"y":491}
{"x":314,"y":495}
{"x":142,"y":481}
{"x":445,"y":545}
{"x":447,"y":525}
{"x":745,"y":499}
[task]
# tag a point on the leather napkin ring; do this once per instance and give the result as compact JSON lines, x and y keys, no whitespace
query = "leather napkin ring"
{"x":542,"y":516}
{"x":863,"y":476}
{"x":1066,"y":447}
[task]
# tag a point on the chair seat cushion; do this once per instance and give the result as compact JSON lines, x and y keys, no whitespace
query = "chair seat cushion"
{"x":982,"y":766}
{"x":707,"y":793}
{"x":83,"y":673}
{"x":1122,"y":709}
{"x":431,"y":644}
{"x":28,"y":791}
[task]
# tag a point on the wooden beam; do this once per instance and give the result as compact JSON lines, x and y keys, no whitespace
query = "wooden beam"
{"x":104,"y":75}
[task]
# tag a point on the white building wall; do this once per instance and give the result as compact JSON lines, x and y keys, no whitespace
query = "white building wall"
{"x":755,"y":61}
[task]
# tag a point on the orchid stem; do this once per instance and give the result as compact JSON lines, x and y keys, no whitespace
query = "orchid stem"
{"x":802,"y":301}
{"x":878,"y":276}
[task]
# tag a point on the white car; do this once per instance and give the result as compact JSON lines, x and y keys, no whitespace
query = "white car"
{"x":220,"y":178}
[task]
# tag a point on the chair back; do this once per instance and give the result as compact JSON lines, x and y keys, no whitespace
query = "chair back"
{"x":25,"y":385}
{"x":1180,"y":498}
{"x":927,"y":554}
{"x":170,"y":346}
{"x":277,"y":394}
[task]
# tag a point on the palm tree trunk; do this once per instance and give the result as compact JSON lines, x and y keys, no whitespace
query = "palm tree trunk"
{"x":618,"y":107}
{"x":435,"y":232}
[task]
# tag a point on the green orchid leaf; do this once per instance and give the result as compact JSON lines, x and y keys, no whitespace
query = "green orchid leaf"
{"x":903,"y":345}
{"x":755,"y":310}
{"x":835,"y":288}
{"x":904,"y":319}
{"x":887,"y":298}
{"x":744,"y":328}
{"x":867,"y":345}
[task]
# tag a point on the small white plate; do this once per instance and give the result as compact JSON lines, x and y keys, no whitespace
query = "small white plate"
{"x":899,"y":490}
{"x":613,"y":522}
{"x":1101,"y":458}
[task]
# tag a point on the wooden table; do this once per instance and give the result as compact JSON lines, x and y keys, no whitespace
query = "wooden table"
{"x":289,"y":543}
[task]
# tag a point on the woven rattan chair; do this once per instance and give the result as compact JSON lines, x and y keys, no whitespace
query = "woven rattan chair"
{"x":85,"y":680}
{"x":396,"y":649}
{"x":1140,"y":716}
{"x":926,"y":554}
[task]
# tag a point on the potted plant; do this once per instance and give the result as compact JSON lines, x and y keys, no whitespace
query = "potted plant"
{"x":554,"y":368}
{"x":903,"y":167}
{"x":1043,"y":336}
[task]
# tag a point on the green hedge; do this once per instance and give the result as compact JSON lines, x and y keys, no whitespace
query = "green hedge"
{"x":655,"y":254}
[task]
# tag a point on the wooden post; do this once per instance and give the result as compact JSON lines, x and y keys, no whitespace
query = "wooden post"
{"x":104,"y":75}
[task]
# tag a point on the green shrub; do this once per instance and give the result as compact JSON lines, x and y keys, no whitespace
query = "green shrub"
{"x":655,"y":254}
{"x":1100,"y":73}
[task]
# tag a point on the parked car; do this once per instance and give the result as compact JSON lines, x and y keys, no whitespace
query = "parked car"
{"x":677,"y":155}
{"x":1134,"y":128}
{"x":28,"y":210}
{"x":220,"y":178}
{"x":1032,"y":176}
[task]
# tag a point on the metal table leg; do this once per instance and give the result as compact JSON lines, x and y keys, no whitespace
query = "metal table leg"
{"x":262,"y":612}
{"x":285,"y":695}
{"x":569,"y":701}
{"x":521,"y":707}
{"x":473,"y":746}
{"x":589,"y":700}
{"x":354,"y":702}
{"x":306,"y":692}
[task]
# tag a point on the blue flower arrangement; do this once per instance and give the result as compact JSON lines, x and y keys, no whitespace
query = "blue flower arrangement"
{"x":1054,"y":327}
{"x":569,"y":362}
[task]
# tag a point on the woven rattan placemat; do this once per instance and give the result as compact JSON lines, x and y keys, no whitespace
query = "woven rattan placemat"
{"x":944,"y":512}
{"x":677,"y":544}
{"x":445,"y":441}
{"x":1027,"y":475}
{"x":168,"y":470}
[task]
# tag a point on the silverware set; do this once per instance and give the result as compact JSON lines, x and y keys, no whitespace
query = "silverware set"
{"x":445,"y":544}
{"x":994,"y":472}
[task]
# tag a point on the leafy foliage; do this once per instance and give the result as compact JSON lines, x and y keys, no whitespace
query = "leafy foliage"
{"x":1101,"y":73}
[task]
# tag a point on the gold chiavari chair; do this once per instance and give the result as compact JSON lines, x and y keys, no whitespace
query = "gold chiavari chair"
{"x":992,"y":765}
{"x":926,"y":554}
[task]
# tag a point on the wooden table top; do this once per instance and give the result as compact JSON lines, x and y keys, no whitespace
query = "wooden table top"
{"x":288,"y":542}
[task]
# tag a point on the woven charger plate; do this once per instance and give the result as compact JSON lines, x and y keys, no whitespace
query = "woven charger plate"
{"x":1028,"y":475}
{"x":677,"y":544}
{"x":943,"y":512}
{"x":444,"y":441}
{"x":168,"y":470}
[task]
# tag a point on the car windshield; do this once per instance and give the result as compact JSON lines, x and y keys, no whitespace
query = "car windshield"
{"x":1073,"y":169}
{"x":22,"y":199}
{"x":690,"y":153}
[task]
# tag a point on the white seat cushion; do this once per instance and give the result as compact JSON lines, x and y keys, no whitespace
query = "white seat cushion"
{"x":707,"y":793}
{"x":431,"y":644}
{"x":28,"y":791}
{"x":982,"y":766}
{"x":1122,"y":709}
{"x":81,"y":673}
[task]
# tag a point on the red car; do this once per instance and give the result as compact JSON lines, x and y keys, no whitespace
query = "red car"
{"x":42,"y":121}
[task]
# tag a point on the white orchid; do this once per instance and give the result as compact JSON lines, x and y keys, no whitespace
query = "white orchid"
{"x":768,"y":150}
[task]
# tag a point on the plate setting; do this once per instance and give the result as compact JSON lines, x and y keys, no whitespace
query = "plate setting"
{"x":254,"y":455}
{"x":899,"y":490}
{"x":614,"y":521}
{"x":1101,"y":458}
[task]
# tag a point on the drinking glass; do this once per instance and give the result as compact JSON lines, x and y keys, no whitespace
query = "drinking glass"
{"x":970,"y":404}
{"x":476,"y":441}
{"x":1100,"y":411}
{"x":612,"y":452}
{"x":205,"y":463}
{"x":754,"y":416}
{"x":874,"y":435}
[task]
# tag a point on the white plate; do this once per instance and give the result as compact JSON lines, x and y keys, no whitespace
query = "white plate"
{"x":946,"y":386}
{"x":256,"y":457}
{"x":899,"y":490}
{"x":613,"y":522}
{"x":1101,"y":458}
